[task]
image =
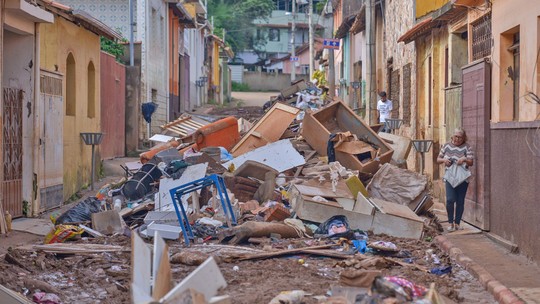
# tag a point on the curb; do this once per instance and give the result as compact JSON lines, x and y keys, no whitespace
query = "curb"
{"x":501,"y":293}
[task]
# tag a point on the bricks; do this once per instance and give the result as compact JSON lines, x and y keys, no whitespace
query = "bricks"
{"x":500,"y":292}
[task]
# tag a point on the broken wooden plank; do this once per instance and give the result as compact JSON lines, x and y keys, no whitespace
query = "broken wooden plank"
{"x":269,"y":255}
{"x":206,"y":279}
{"x":267,"y":130}
{"x":9,"y":296}
{"x":91,"y":231}
{"x":78,"y":248}
{"x":279,"y":155}
{"x":140,"y":270}
{"x":161,"y":270}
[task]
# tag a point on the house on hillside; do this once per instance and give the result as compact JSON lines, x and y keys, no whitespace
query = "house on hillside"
{"x":277,"y":31}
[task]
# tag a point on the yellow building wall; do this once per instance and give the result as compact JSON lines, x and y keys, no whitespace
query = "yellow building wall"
{"x":524,"y":18}
{"x":431,"y":48}
{"x":57,"y":41}
{"x":423,"y":7}
{"x":215,"y":64}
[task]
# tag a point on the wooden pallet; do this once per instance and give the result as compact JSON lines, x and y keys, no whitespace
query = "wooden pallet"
{"x":183,"y":126}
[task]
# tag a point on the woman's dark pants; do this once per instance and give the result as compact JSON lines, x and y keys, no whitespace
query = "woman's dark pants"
{"x":455,"y":195}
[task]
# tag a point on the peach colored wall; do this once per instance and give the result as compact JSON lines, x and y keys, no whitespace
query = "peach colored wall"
{"x":525,"y":17}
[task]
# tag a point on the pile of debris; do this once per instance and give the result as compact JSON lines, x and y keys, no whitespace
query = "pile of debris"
{"x":299,"y":182}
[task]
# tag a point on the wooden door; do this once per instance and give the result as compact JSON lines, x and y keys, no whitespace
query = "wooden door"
{"x":11,"y":185}
{"x":476,"y":109}
{"x":50,"y":149}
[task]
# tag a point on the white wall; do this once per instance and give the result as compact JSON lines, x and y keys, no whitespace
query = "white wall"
{"x":17,"y":73}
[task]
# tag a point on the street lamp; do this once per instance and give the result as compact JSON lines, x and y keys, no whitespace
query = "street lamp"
{"x":422,"y":146}
{"x":92,"y":139}
{"x":393,"y":124}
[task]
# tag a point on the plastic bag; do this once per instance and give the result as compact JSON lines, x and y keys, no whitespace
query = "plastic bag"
{"x":456,"y":174}
{"x":81,"y":212}
{"x":61,"y":233}
{"x":334,"y":226}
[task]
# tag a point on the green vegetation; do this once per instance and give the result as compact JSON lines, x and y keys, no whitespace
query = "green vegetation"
{"x":113,"y":48}
{"x":240,"y":87}
{"x":235,"y":17}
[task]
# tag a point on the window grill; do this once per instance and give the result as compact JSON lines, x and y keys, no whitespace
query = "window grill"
{"x":482,"y":40}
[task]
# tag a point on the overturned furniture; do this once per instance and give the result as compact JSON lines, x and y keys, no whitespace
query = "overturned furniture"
{"x":176,"y":195}
{"x":318,"y":203}
{"x":337,"y":118}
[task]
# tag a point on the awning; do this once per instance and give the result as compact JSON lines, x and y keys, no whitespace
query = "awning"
{"x":345,"y":27}
{"x":359,"y":24}
{"x":183,"y":15}
{"x":418,"y":30}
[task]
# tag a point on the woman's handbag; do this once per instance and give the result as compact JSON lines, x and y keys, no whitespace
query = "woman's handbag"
{"x":456,"y":174}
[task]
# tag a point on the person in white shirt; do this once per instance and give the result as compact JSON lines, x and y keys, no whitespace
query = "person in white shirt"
{"x":384,"y":106}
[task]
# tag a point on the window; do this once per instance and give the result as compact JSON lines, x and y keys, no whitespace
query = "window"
{"x":273,"y":34}
{"x":509,"y":90}
{"x":91,"y":110}
{"x":515,"y":74}
{"x":481,"y":37}
{"x":70,"y":86}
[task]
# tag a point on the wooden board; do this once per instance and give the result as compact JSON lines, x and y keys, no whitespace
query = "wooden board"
{"x":206,"y":279}
{"x":396,"y":210}
{"x":363,"y":205}
{"x":141,"y":257}
{"x":191,"y":173}
{"x":397,"y":226}
{"x":107,"y":222}
{"x":161,"y":269}
{"x":323,"y":191}
{"x":279,"y":155}
{"x":9,"y":296}
{"x":319,"y":212}
{"x":400,"y":144}
{"x":267,"y":130}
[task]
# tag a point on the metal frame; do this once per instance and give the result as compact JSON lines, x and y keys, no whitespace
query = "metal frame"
{"x":176,"y":195}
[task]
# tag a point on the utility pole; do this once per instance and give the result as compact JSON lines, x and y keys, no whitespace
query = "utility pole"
{"x":371,"y":64}
{"x":131,"y":35}
{"x":331,"y":65}
{"x":311,"y":48}
{"x":293,"y":48}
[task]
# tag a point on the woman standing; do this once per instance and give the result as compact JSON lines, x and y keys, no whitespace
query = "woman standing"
{"x":456,"y":151}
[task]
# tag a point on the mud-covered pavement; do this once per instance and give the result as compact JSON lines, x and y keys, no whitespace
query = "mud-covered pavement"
{"x":105,"y":277}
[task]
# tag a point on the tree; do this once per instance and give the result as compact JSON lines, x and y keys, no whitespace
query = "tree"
{"x":236,"y":18}
{"x":112,"y":47}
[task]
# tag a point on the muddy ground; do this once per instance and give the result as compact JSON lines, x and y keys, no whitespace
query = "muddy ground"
{"x":105,"y":277}
{"x":250,"y":113}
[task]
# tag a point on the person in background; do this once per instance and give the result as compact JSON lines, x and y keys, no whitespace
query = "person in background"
{"x":384,"y":107}
{"x":460,"y":152}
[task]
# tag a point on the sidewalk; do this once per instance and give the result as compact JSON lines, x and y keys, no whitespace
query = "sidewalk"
{"x":509,"y":277}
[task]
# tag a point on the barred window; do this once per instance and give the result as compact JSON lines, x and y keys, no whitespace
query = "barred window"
{"x":482,"y":40}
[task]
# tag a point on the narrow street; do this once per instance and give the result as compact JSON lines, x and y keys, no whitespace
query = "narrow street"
{"x":269,"y":151}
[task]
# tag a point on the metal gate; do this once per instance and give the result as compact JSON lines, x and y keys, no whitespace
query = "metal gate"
{"x":11,"y":186}
{"x":476,"y":112}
